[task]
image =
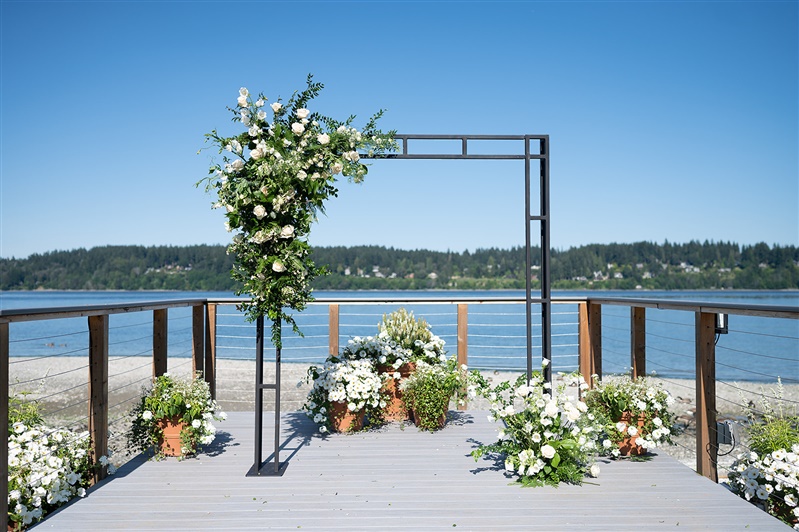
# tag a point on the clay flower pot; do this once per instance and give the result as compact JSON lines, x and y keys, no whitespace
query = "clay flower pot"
{"x":628,"y":447}
{"x":170,"y":440}
{"x":396,"y":409}
{"x":342,"y":419}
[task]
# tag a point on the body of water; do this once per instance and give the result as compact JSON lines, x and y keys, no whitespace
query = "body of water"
{"x":758,"y":349}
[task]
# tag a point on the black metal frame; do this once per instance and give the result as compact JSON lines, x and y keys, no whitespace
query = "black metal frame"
{"x":542,"y":217}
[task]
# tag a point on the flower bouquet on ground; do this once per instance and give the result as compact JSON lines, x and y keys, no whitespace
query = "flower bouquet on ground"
{"x":546,"y":438}
{"x":429,"y":389}
{"x":343,"y":393}
{"x":634,"y":413}
{"x":185,"y":405}
{"x":767,"y":475}
{"x":47,"y":467}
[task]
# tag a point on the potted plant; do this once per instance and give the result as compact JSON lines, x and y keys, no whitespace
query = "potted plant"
{"x":767,"y":475}
{"x":547,"y":437}
{"x":404,"y":341}
{"x":175,"y":416}
{"x":343,"y":392}
{"x":634,"y":412}
{"x":429,"y":389}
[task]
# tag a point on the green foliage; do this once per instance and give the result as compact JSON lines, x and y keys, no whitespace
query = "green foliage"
{"x":774,"y":426}
{"x":429,"y":389}
{"x":651,"y":266}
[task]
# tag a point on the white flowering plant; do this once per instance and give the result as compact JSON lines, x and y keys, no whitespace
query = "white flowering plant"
{"x":180,"y":400}
{"x":767,"y":474}
{"x":352,"y":382}
{"x":273,"y":179}
{"x":405,"y":338}
{"x":47,"y":467}
{"x":648,"y":423}
{"x":547,"y":436}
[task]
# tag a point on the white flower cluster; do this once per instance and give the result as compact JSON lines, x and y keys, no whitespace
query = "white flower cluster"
{"x":647,"y":404}
{"x":770,"y":481}
{"x":542,"y":431}
{"x":354,"y":382}
{"x":46,"y":468}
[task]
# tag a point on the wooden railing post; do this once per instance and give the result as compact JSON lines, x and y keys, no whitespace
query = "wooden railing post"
{"x":463,"y":340}
{"x":98,"y":390}
{"x":210,"y":347}
{"x":638,"y":341}
{"x":159,"y":342}
{"x":197,"y":338}
{"x":4,"y":405}
{"x":590,"y":340}
{"x":332,"y":329}
{"x":706,"y":435}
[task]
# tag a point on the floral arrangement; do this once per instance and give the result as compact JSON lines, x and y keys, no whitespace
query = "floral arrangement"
{"x":275,"y":176}
{"x":547,"y":437}
{"x":47,"y":467}
{"x":648,"y":422}
{"x":429,"y":389}
{"x":188,"y":401}
{"x":405,"y":338}
{"x":768,"y":474}
{"x":353,"y":382}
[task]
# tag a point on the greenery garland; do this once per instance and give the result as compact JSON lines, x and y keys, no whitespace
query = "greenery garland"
{"x":273,"y":180}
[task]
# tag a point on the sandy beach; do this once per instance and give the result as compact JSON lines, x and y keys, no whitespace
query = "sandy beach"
{"x":60,"y":384}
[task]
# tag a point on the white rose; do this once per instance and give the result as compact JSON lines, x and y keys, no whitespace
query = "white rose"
{"x":276,"y":106}
{"x":147,"y":415}
{"x":259,"y":103}
{"x":324,"y":138}
{"x":242,"y":101}
{"x":301,"y":175}
{"x":297,"y":128}
{"x":547,"y":451}
{"x":303,"y":113}
{"x":336,"y":168}
{"x":237,"y":165}
{"x":287,"y":231}
{"x":244,"y":92}
{"x":254,"y":131}
{"x":256,"y":154}
{"x":261,"y":115}
{"x":594,"y":470}
{"x":278,"y":266}
{"x":259,"y":211}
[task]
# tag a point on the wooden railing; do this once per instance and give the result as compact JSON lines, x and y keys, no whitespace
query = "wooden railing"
{"x":204,"y":349}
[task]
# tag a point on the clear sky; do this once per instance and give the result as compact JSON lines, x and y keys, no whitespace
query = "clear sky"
{"x":668,"y":120}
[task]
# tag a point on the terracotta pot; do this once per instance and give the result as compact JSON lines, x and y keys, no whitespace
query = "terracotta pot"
{"x":344,"y":420}
{"x":170,"y":440}
{"x":395,"y":409}
{"x":628,"y":447}
{"x":441,"y":421}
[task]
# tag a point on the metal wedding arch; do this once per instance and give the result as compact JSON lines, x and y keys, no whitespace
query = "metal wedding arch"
{"x":528,"y":154}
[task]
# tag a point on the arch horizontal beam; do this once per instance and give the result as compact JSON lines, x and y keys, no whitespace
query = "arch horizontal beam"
{"x":523,"y":154}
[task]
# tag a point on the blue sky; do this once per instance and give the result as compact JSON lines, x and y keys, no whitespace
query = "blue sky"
{"x":667,"y":120}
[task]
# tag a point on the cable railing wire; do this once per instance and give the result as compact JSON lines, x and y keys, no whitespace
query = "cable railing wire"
{"x":718,"y":346}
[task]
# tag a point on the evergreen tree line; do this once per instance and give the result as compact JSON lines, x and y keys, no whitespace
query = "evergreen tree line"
{"x":647,"y":265}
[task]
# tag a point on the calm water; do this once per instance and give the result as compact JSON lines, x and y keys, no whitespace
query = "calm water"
{"x":756,"y":349}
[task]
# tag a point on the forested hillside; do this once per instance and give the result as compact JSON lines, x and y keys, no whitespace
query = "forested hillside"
{"x":649,"y":265}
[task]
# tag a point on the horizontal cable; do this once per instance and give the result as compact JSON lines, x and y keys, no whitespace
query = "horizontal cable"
{"x":48,"y":337}
{"x":757,"y":373}
{"x":756,"y":354}
{"x":765,"y":334}
{"x":653,"y":348}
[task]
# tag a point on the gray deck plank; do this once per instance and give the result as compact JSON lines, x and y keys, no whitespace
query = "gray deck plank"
{"x":394,"y":477}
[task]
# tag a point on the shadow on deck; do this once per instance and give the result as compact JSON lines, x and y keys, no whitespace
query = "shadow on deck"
{"x":393,"y":477}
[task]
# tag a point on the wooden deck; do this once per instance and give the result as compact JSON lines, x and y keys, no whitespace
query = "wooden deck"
{"x":390,"y":478}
